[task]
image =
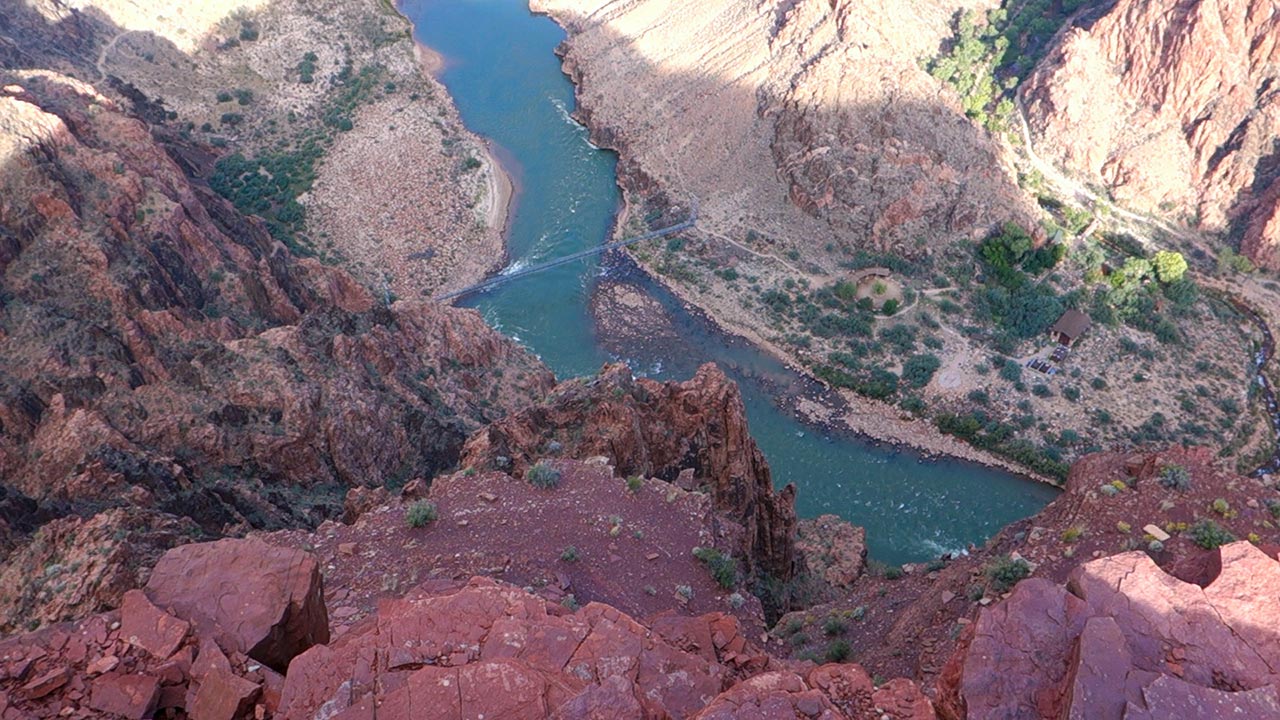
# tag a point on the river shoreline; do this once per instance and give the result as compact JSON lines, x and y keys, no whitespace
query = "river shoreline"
{"x":501,"y":190}
{"x":869,"y":419}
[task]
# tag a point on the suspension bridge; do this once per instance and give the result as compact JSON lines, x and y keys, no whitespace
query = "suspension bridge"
{"x":572,"y":257}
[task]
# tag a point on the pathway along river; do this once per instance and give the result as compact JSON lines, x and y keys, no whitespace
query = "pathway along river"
{"x":508,"y":86}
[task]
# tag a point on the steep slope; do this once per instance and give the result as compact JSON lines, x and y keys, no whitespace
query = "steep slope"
{"x":807,"y":122}
{"x":164,"y":352}
{"x":692,"y":433}
{"x":373,"y":168}
{"x":1173,"y":106}
{"x":1177,"y":505}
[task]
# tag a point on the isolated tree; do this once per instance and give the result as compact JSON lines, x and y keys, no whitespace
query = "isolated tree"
{"x":1170,"y":266}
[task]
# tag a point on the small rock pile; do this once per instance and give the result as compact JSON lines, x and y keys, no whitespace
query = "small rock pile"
{"x":208,"y":638}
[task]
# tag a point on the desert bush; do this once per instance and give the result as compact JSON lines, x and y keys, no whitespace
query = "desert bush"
{"x":1175,"y":477}
{"x":1209,"y":534}
{"x":722,"y":567}
{"x":420,"y":514}
{"x":1005,"y":572}
{"x":918,"y":370}
{"x":543,"y":476}
{"x":834,"y":626}
{"x":838,"y":651}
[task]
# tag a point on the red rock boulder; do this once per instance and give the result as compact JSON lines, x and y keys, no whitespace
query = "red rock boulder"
{"x":261,"y":600}
{"x":1126,"y":640}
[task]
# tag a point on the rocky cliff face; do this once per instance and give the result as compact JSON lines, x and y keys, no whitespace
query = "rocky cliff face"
{"x":693,"y":433}
{"x":163,"y":352}
{"x":1113,"y":503}
{"x":805,"y":121}
{"x":1174,"y":106}
{"x":1125,"y":640}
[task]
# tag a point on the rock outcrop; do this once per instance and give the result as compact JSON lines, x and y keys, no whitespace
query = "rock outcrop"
{"x":658,"y":430}
{"x":447,"y":648}
{"x":591,"y":538}
{"x":175,"y":649}
{"x":163,"y":352}
{"x":834,"y":550}
{"x":1174,"y":106}
{"x":1125,"y":640}
{"x":270,"y":602}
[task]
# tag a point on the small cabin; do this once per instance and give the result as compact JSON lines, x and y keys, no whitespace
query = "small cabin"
{"x":1070,"y":327}
{"x":867,"y":273}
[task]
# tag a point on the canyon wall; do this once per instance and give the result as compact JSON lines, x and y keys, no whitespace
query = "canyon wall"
{"x":807,"y":122}
{"x":164,"y":352}
{"x":1173,"y":107}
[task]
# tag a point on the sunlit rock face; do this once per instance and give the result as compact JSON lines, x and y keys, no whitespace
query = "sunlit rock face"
{"x":810,"y":121}
{"x":1173,"y":106}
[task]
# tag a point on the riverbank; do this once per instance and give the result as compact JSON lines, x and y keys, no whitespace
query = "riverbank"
{"x":419,"y":202}
{"x":767,"y":264}
{"x":881,"y":422}
{"x":876,"y":420}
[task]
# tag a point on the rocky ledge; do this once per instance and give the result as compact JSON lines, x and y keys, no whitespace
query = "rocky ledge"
{"x":1123,"y":639}
{"x":260,"y":647}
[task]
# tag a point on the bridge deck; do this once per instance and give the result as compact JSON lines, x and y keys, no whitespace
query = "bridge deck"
{"x":500,"y":279}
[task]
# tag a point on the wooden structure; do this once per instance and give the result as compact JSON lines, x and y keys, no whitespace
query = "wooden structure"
{"x":870,"y":272}
{"x":1070,"y":327}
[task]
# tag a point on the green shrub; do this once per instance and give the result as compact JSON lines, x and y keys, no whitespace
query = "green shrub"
{"x":224,"y":96}
{"x":1221,"y":506}
{"x":1004,"y":572}
{"x":834,"y":626}
{"x":569,"y":554}
{"x":838,"y":651}
{"x":1011,"y":371}
{"x":420,"y":514}
{"x":1071,"y":392}
{"x":543,"y":476}
{"x":1209,"y":534}
{"x":889,"y":307}
{"x":635,"y":483}
{"x":918,"y":370}
{"x":893,"y":572}
{"x":722,"y":567}
{"x":1175,"y":477}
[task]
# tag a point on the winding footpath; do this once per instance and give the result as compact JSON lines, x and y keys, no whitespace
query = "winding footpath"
{"x":1236,"y":294}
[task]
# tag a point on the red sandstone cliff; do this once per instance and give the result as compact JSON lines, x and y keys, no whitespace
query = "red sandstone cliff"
{"x":698,"y":428}
{"x":1174,"y":106}
{"x":164,"y":353}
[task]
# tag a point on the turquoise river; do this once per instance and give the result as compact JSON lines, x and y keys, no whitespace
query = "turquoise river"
{"x":508,"y":86}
